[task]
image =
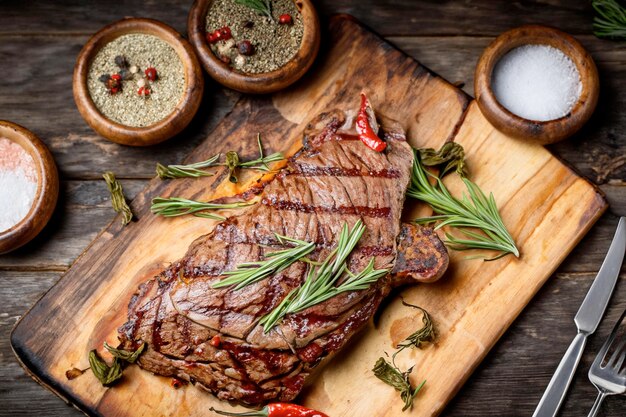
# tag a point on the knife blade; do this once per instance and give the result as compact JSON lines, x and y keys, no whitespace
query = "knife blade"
{"x":587,"y":319}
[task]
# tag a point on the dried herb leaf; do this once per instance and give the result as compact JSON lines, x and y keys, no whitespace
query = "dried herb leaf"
{"x":125,"y":355}
{"x":194,"y":170}
{"x":450,"y":157}
{"x":74,"y":373}
{"x":392,"y":376}
{"x":232,"y":162}
{"x":423,"y":335}
{"x":106,"y":374}
{"x":117,"y":197}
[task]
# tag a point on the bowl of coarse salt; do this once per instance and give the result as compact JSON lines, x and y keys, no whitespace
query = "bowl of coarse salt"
{"x":29,"y":186}
{"x":536,"y":83}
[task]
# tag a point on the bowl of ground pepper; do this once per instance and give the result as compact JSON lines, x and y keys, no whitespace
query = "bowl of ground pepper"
{"x":255,"y":46}
{"x":137,"y":82}
{"x":29,"y":186}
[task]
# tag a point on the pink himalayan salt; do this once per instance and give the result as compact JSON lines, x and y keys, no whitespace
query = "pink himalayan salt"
{"x":18,"y":183}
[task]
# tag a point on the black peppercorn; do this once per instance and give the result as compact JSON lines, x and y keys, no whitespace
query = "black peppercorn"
{"x":248,"y":24}
{"x":104,"y":78}
{"x":121,"y":61}
{"x":245,"y":48}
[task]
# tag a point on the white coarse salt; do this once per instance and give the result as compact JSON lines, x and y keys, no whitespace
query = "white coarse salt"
{"x":18,"y":183}
{"x":536,"y":82}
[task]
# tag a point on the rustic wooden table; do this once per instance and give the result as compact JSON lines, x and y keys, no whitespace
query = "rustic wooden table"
{"x":39,"y":42}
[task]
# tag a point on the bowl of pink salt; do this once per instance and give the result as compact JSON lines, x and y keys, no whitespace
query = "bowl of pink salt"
{"x":29,"y":186}
{"x":536,"y":83}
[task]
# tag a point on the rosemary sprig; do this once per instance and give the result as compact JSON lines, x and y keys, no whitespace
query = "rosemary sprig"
{"x":251,"y":272}
{"x":319,"y":284}
{"x":176,"y":206}
{"x":610,"y":19}
{"x":233,"y":162}
{"x":391,"y":375}
{"x":423,"y":335}
{"x":117,"y":197}
{"x":190,"y":170}
{"x":263,"y":7}
{"x":474,"y":212}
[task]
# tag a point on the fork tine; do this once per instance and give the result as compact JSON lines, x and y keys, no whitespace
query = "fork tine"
{"x":617,"y":355}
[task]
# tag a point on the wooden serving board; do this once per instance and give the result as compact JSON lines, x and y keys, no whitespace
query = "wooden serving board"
{"x":545,"y":205}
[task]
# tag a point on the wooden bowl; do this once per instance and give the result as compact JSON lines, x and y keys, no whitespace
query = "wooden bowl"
{"x":47,"y":188}
{"x":263,"y":83}
{"x":161,"y":130}
{"x":543,"y":132}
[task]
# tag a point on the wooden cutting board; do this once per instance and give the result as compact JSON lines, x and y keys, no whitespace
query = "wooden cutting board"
{"x":545,"y":205}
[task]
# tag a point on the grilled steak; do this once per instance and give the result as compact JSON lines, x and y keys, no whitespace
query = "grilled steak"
{"x":334,"y":179}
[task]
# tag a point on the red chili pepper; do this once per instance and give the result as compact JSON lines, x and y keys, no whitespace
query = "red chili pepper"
{"x":144,"y":91}
{"x":276,"y":410}
{"x":364,"y":127}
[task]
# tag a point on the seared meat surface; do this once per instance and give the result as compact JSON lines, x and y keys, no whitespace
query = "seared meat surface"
{"x":334,"y":179}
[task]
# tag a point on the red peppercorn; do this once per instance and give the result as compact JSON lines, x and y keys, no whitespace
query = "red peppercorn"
{"x":144,"y":91}
{"x":285,"y":19}
{"x":116,"y":77}
{"x":224,"y":33}
{"x":245,"y":48}
{"x":151,"y":73}
{"x":215,"y":341}
{"x":211,"y":37}
{"x":114,"y":90}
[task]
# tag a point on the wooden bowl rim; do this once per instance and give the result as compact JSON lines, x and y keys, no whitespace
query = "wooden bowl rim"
{"x":47,"y":193}
{"x":259,"y":83}
{"x":146,"y":26}
{"x":537,"y":35}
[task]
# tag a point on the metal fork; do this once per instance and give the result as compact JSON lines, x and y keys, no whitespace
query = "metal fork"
{"x":608,"y":371}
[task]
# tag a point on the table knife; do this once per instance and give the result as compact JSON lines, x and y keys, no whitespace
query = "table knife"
{"x":587,"y":319}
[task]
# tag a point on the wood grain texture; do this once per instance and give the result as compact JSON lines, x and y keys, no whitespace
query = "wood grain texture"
{"x":402,"y":17}
{"x":549,"y":208}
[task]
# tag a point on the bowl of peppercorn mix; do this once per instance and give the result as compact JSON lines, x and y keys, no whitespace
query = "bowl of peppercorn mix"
{"x":258,"y":46}
{"x":138,"y":82}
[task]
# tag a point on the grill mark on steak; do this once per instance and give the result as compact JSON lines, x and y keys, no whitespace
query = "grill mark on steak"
{"x":332,"y":180}
{"x":347,"y":210}
{"x":305,"y":170}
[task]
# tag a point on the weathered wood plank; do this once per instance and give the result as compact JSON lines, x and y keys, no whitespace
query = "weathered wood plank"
{"x":34,"y":87}
{"x":83,"y":210}
{"x":519,"y":366}
{"x":512,"y":378}
{"x":19,"y":394}
{"x":402,"y":17}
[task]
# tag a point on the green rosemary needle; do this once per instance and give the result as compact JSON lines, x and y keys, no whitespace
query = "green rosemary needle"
{"x":251,"y":272}
{"x":233,"y":162}
{"x":190,"y":170}
{"x":260,"y":6}
{"x":474,"y":212}
{"x":610,"y":19}
{"x":319,"y":284}
{"x":176,"y":206}
{"x":391,"y":375}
